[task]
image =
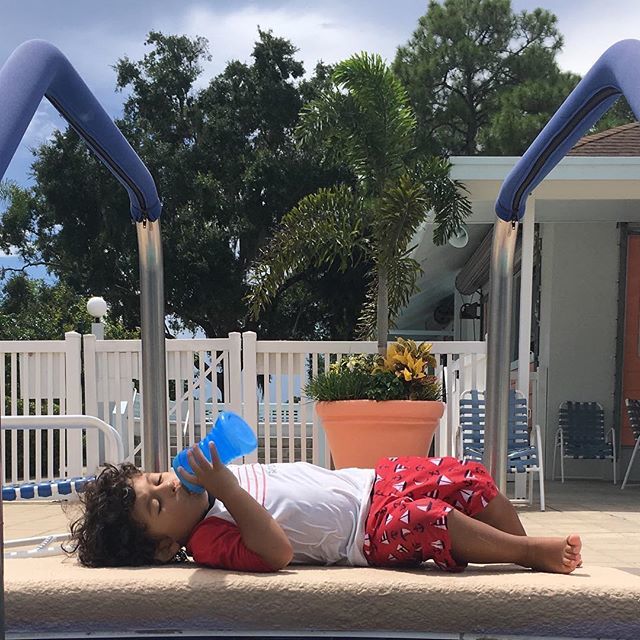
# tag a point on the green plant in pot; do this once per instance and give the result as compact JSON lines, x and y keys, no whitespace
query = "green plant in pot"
{"x":373,"y":406}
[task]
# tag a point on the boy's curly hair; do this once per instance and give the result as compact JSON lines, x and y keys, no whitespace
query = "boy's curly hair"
{"x":105,"y":535}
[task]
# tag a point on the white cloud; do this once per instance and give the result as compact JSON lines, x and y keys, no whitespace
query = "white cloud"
{"x":93,"y":54}
{"x":45,"y":120}
{"x":320,"y":33}
{"x":589,"y":29}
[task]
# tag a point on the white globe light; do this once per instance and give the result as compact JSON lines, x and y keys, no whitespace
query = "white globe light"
{"x":96,"y":307}
{"x":460,"y":239}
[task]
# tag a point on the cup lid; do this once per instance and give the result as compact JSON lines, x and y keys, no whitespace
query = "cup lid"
{"x":237,"y":429}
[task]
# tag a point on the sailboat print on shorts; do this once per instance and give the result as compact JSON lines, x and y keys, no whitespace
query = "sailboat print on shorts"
{"x":467,"y":494}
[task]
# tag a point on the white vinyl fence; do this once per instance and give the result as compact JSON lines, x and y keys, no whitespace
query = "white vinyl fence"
{"x":203,"y":377}
{"x":263,"y":380}
{"x":41,"y":378}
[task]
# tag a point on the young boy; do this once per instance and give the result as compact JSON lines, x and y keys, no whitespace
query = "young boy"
{"x":264,"y":517}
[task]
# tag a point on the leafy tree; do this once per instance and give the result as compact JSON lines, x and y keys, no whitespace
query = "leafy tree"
{"x":364,"y":121}
{"x":33,"y":310}
{"x":227,"y":169}
{"x":619,"y":113}
{"x":482,"y":78}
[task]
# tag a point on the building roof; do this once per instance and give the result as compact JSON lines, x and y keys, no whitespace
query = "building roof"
{"x":619,"y":141}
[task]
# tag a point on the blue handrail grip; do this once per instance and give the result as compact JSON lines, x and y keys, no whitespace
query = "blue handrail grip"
{"x":44,"y":489}
{"x":64,"y":487}
{"x":615,"y":73}
{"x":36,"y":69}
{"x":27,"y":491}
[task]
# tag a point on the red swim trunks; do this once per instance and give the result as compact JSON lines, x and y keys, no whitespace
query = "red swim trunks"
{"x":407,"y":521}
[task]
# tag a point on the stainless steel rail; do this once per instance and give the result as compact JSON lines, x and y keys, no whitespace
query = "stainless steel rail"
{"x":498,"y":346}
{"x":154,"y":375}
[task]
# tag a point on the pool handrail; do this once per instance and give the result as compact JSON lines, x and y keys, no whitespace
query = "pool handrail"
{"x":615,"y":73}
{"x":38,"y":69}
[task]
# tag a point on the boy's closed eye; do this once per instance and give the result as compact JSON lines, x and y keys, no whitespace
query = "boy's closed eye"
{"x":158,"y":483}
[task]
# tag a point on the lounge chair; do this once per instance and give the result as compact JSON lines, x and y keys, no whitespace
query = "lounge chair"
{"x":633,"y":411}
{"x":581,"y":435}
{"x":54,"y":489}
{"x":524,"y":449}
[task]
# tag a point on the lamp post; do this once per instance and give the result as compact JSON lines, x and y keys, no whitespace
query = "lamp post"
{"x":97,"y":307}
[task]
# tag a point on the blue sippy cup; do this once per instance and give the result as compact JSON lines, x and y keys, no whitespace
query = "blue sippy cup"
{"x":232,"y":436}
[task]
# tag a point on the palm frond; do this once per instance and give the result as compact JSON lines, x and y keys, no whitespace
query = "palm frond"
{"x":365,"y":119}
{"x":447,"y":198}
{"x":402,"y":207}
{"x":324,"y":227}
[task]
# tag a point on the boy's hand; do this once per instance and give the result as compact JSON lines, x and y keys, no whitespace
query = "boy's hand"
{"x":259,"y":531}
{"x":213,"y":476}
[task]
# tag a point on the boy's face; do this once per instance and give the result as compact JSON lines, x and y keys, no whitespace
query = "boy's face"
{"x":168,"y":511}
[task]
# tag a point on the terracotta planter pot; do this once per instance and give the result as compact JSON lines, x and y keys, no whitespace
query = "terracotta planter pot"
{"x":360,"y":432}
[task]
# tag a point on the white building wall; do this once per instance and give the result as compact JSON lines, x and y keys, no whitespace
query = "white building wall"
{"x":578,"y":323}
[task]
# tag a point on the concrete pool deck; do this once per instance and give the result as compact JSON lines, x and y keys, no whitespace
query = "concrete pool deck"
{"x":600,"y":600}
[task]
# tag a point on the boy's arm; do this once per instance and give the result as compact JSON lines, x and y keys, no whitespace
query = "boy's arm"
{"x":259,"y":531}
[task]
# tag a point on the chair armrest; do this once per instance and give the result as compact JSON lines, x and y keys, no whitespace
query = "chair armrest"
{"x":536,"y":434}
{"x":460,"y":449}
{"x":112,"y":437}
{"x":559,"y":433}
{"x":538,"y":437}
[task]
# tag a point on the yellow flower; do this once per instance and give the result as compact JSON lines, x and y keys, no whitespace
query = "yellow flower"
{"x":407,"y":360}
{"x":413,"y":369}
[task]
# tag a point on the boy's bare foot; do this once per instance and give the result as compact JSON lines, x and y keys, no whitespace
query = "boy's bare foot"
{"x":555,"y":555}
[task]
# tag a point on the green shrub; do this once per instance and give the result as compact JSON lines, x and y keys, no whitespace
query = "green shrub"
{"x":404,"y":374}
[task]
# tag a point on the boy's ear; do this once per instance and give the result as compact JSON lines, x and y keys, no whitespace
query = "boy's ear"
{"x":166,"y":549}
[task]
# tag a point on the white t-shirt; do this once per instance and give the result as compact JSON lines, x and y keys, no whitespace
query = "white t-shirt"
{"x":323,"y":512}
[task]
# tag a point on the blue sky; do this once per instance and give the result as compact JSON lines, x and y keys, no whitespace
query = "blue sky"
{"x":93,"y":35}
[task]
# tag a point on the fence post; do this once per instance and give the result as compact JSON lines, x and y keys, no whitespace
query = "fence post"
{"x":235,"y":372}
{"x":250,"y":385}
{"x":91,"y":398}
{"x":448,"y":440}
{"x":73,"y":404}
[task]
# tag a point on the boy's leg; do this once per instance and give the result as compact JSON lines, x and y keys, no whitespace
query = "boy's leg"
{"x":475,"y":541}
{"x":501,"y":514}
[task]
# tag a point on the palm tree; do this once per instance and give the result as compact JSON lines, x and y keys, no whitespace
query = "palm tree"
{"x":363,"y":121}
